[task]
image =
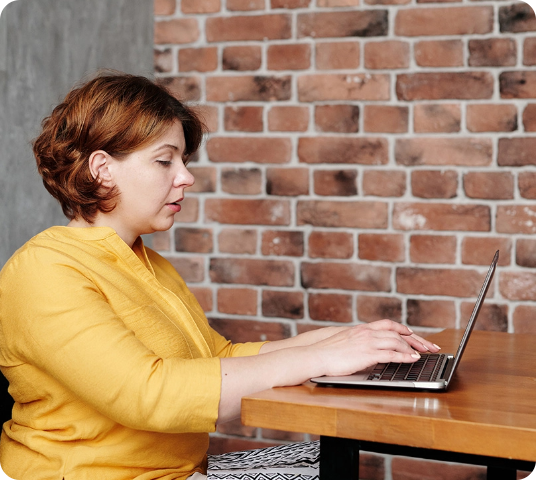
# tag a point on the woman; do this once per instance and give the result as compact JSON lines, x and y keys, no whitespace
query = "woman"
{"x":113,"y":367}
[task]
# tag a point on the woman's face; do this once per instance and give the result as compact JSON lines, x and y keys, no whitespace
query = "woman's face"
{"x":151,"y":183}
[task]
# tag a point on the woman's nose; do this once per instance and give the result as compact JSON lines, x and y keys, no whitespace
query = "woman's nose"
{"x":183,"y":178}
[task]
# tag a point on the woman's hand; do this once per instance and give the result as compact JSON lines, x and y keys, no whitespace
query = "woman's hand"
{"x":326,"y":351}
{"x":359,"y":347}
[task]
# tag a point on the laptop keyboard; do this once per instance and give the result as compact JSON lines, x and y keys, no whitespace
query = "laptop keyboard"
{"x":426,"y":369}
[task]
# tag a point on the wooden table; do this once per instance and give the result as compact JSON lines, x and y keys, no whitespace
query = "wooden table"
{"x":487,"y":416}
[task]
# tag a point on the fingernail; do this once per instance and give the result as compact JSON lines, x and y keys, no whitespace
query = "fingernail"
{"x":415,"y":355}
{"x":410,"y":329}
{"x":437,"y":346}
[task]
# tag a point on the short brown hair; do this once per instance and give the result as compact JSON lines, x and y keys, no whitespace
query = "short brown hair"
{"x":114,"y":112}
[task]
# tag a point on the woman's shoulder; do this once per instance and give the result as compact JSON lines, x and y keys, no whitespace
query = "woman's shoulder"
{"x":53,"y":246}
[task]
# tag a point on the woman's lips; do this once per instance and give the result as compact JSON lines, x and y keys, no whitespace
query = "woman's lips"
{"x":174,"y":206}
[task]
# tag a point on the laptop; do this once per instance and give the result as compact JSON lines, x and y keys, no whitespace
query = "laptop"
{"x":433,"y":371}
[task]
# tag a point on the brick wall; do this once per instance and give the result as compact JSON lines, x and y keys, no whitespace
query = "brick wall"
{"x":366,"y":159}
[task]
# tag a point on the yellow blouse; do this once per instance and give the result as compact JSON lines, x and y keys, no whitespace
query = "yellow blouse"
{"x":110,"y":359}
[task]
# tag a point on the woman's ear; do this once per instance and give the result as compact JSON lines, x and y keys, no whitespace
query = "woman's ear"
{"x":98,"y":166}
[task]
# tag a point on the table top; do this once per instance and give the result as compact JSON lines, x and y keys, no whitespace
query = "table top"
{"x":489,"y":408}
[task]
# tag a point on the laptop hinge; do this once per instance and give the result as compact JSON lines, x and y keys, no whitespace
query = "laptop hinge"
{"x":449,"y":363}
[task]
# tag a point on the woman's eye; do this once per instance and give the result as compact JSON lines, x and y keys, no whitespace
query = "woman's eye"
{"x":164,"y":163}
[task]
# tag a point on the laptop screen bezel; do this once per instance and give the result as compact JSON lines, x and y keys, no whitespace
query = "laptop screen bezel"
{"x":472,"y":320}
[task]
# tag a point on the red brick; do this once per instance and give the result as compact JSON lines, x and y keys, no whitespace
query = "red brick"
{"x":178,"y":30}
{"x":518,"y":285}
{"x":289,"y":3}
{"x":282,"y":242}
{"x":432,"y":249}
{"x":529,"y":118}
{"x":518,"y":84}
{"x":241,"y":58}
{"x":234,"y":240}
{"x":280,"y":435}
{"x":244,"y":5}
{"x":337,"y":55}
{"x":524,"y":319}
{"x":434,"y":183}
{"x":529,"y":51}
{"x":235,"y":427}
{"x":219,"y":445}
{"x":337,"y":3}
{"x":386,"y":119}
{"x":276,"y":273}
{"x":527,"y":184}
{"x":287,"y":181}
{"x":444,"y":21}
{"x":249,"y":149}
{"x":358,"y":86}
{"x":492,"y":52}
{"x":517,"y":18}
{"x":337,"y":118}
{"x":200,"y":6}
{"x":282,"y":304}
{"x":239,"y":331}
{"x":480,"y":250}
{"x":516,"y":219}
{"x":438,"y":281}
{"x":431,"y":313}
{"x":209,"y":115}
{"x":439,"y":53}
{"x":289,"y":56}
{"x":247,"y":212}
{"x":241,"y":181}
{"x":387,"y":54}
{"x":288,"y":119}
{"x":204,"y":297}
{"x":437,"y":118}
{"x":335,"y":182}
{"x":248,"y":88}
{"x":516,"y":152}
{"x":372,"y":308}
{"x":189,"y":212}
{"x":197,"y":240}
{"x":441,"y":217}
{"x":161,"y":241}
{"x":243,"y":119}
{"x":489,"y":185}
{"x":491,"y":118}
{"x":330,"y":307}
{"x":191,"y":269}
{"x":358,"y":150}
{"x":362,"y":23}
{"x":163,"y":60}
{"x":472,"y":152}
{"x":186,"y":89}
{"x":387,"y":2}
{"x":384,"y":183}
{"x":381,"y":247}
{"x":492,"y":317}
{"x":164,"y":7}
{"x":331,"y":245}
{"x":444,"y":85}
{"x":250,"y":27}
{"x":198,"y":59}
{"x":411,"y":469}
{"x":346,"y":276}
{"x":342,"y":214}
{"x":525,"y":252}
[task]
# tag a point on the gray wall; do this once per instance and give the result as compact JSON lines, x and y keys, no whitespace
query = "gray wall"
{"x":45,"y":47}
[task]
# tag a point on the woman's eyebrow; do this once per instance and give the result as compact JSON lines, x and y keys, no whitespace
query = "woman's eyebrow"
{"x":166,"y":145}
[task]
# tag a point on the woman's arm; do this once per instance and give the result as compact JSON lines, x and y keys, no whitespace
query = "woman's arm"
{"x":331,"y":351}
